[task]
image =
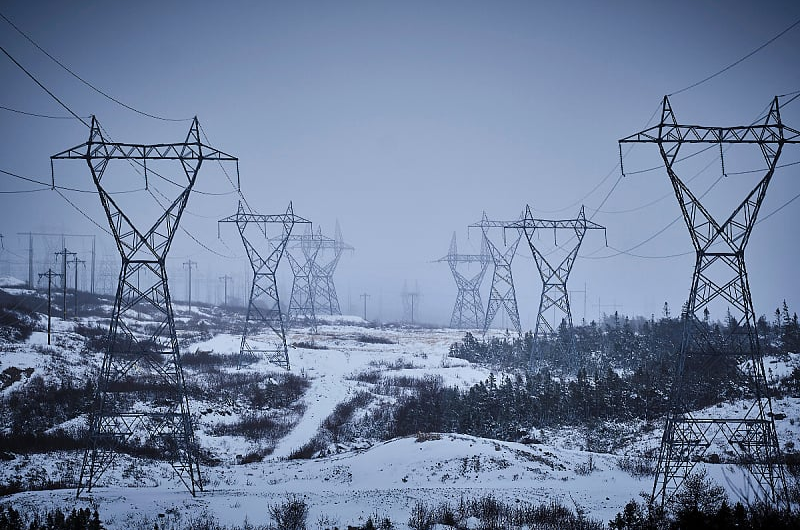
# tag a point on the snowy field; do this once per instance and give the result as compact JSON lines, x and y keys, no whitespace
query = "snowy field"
{"x":386,"y":478}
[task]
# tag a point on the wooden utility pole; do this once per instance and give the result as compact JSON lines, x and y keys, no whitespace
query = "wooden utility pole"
{"x":64,"y":253}
{"x":364,"y":296}
{"x":189,"y":264}
{"x":75,"y":261}
{"x":225,"y":279}
{"x":49,"y":274}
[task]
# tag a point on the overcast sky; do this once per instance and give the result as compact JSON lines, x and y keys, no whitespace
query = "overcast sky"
{"x":404,"y":121}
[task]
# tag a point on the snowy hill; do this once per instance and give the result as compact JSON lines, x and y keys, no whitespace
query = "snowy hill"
{"x":358,"y":478}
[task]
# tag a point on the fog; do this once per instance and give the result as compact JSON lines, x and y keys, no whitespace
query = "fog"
{"x":403,"y":122}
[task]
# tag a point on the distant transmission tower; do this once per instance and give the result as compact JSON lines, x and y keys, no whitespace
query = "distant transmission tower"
{"x":133,"y":360}
{"x":107,"y":276}
{"x":719,"y":276}
{"x":302,"y":254}
{"x":326,"y":301}
{"x":502,"y":293}
{"x":554,"y":279}
{"x":410,"y":301}
{"x":265,"y":305}
{"x":468,"y":309}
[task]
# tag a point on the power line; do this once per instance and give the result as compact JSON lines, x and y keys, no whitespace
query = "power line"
{"x":603,"y":180}
{"x":184,"y":229}
{"x":25,"y":191}
{"x":715,"y":74}
{"x":666,"y":195}
{"x":82,"y":80}
{"x":39,"y":115}
{"x":52,"y":186}
{"x":83,"y":213}
{"x":42,"y":86}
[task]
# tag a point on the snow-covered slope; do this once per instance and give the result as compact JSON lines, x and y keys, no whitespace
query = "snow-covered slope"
{"x":387,"y":478}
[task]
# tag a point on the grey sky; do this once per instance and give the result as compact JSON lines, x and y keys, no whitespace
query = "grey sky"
{"x":405,"y":120}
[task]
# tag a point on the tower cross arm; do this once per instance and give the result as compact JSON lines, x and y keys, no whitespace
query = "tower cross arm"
{"x":463,"y":258}
{"x":486,"y":223}
{"x":771,"y":131}
{"x":531,"y":224}
{"x":241,"y":217}
{"x":123,"y":151}
{"x":696,"y":134}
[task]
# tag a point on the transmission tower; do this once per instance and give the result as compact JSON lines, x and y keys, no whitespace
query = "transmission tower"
{"x":502,"y":293}
{"x":410,"y":299}
{"x":364,"y":297}
{"x":468,"y":309}
{"x":326,"y":302}
{"x":264,"y":306}
{"x":302,"y":254}
{"x":189,"y":265}
{"x":554,"y":279}
{"x":719,"y":276}
{"x":106,"y":276}
{"x":224,"y":279}
{"x":133,"y":363}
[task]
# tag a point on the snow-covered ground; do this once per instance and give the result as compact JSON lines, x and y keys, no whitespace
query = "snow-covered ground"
{"x":387,"y":478}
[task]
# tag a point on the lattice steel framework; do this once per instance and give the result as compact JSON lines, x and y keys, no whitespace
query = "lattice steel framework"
{"x":133,"y":363}
{"x":326,"y":301}
{"x":264,"y":307}
{"x":502,"y":293}
{"x":719,"y":275}
{"x":554,"y":279}
{"x":468,"y":309}
{"x":302,"y":253}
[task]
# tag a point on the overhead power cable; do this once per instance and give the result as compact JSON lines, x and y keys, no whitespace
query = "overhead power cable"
{"x":10,"y":192}
{"x":58,"y":188}
{"x":83,"y":213}
{"x":715,"y":74}
{"x":85,"y":82}
{"x":40,"y":115}
{"x":603,"y":180}
{"x":42,"y":86}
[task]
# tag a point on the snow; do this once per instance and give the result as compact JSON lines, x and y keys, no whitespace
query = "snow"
{"x":386,"y":479}
{"x":10,"y":281}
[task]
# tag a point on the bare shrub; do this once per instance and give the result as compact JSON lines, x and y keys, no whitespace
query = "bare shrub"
{"x":637,"y":466}
{"x":373,"y":339}
{"x":291,"y":514}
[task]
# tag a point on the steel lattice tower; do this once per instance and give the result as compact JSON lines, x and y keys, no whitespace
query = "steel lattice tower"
{"x":719,"y":276}
{"x":264,"y":306}
{"x":326,"y":301}
{"x":134,"y":363}
{"x":502,"y":293}
{"x":554,"y":279}
{"x":302,"y":256}
{"x":468,"y":299}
